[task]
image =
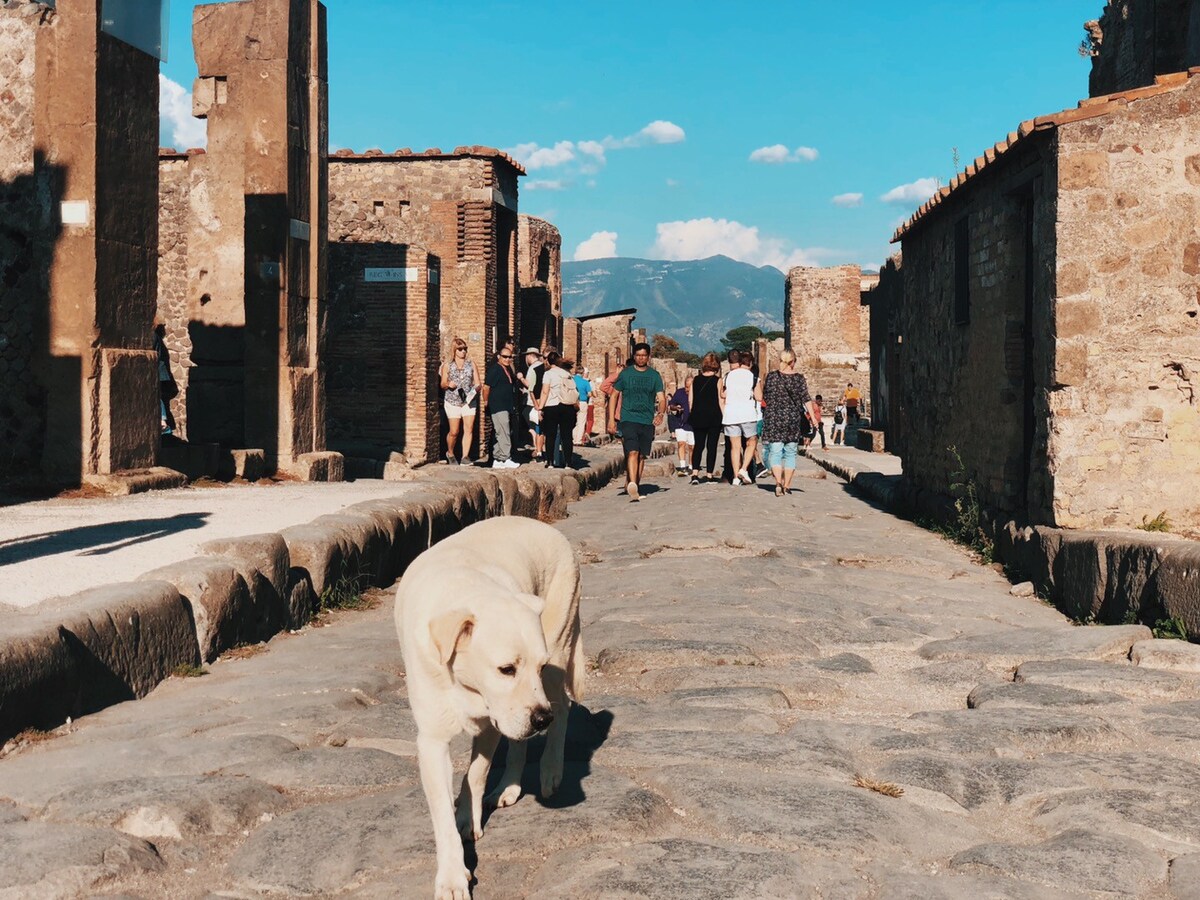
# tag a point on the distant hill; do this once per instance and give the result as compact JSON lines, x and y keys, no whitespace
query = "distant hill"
{"x":694,"y":301}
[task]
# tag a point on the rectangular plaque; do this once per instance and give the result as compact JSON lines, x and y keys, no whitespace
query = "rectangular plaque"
{"x":298,"y":229}
{"x":75,"y":212}
{"x":409,"y":274}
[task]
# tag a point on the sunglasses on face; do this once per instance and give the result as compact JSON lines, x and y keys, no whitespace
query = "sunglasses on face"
{"x":506,"y":356}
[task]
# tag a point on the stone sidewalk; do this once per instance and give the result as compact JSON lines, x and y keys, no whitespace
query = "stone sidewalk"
{"x":765,"y":673}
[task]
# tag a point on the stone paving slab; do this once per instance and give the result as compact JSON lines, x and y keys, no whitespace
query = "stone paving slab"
{"x":760,"y":685}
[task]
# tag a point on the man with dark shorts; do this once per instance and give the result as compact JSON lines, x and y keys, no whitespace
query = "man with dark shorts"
{"x":639,"y":404}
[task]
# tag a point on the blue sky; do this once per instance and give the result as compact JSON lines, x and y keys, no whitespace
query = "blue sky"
{"x":639,"y":119}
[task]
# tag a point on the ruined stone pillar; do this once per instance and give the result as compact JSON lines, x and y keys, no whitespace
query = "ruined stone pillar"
{"x":96,"y":155}
{"x":257,"y":258}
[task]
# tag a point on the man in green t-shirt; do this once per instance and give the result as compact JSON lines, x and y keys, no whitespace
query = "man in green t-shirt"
{"x":639,"y":403}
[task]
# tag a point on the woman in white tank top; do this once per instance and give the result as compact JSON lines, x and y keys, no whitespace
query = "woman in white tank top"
{"x":743,"y":398}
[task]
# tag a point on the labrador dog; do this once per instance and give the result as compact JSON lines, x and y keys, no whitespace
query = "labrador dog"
{"x":489,"y":627}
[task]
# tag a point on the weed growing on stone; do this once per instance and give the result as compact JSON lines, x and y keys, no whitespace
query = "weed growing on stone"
{"x":1173,"y":628}
{"x":968,"y":528}
{"x":1158,"y":523}
{"x":244,"y":651}
{"x":880,"y":787}
{"x":24,"y":739}
{"x":187,"y":670}
{"x":345,"y":593}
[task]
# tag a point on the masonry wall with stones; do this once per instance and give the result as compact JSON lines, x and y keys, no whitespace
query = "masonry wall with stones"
{"x":382,"y":356}
{"x":1126,"y":405}
{"x":964,"y":380}
{"x":828,"y":327}
{"x":25,"y":235}
{"x":539,"y":274}
{"x":174,"y":198}
{"x":606,"y":343}
{"x":885,"y":299}
{"x":572,"y":342}
{"x":1135,"y":40}
{"x":78,"y":124}
{"x":255,"y":230}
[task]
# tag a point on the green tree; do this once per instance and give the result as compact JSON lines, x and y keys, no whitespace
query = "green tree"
{"x":741,"y":338}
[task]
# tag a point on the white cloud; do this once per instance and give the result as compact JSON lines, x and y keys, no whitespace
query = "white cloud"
{"x":544,"y":184}
{"x":672,"y":182}
{"x":534,"y":156}
{"x":176,"y":122}
{"x":600,"y":245}
{"x":847,"y":201}
{"x":778,"y":153}
{"x":701,"y":238}
{"x":912,"y":193}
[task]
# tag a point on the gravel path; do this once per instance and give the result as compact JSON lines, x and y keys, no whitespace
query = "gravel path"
{"x":765,"y":675}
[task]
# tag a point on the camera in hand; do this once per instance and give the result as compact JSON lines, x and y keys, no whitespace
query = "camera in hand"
{"x":462,"y":395}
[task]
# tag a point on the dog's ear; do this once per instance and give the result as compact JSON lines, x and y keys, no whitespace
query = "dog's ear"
{"x":451,"y":632}
{"x":533,"y":601}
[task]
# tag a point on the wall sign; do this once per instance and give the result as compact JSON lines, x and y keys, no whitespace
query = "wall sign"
{"x":409,"y":274}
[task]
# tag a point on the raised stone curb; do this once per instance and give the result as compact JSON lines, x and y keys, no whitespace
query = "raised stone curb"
{"x":117,"y":642}
{"x":1093,"y":576}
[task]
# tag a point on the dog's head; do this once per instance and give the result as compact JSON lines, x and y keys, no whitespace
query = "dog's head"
{"x":497,"y":652}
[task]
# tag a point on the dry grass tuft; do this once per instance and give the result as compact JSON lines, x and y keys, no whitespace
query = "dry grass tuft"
{"x":244,"y":651}
{"x":880,"y":787}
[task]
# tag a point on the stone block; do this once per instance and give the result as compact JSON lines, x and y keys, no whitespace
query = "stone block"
{"x":1166,"y":654}
{"x":124,"y":639}
{"x":137,"y":481}
{"x":870,"y":439}
{"x":1080,"y":575}
{"x":193,"y":460}
{"x":405,"y":531}
{"x":249,"y":465}
{"x":38,"y":677}
{"x":129,"y":424}
{"x":1177,"y":585}
{"x":1083,"y":170}
{"x":320,"y":466}
{"x":320,"y":555}
{"x":219,"y":599}
{"x":1071,"y":363}
{"x":263,"y":564}
{"x":365,"y":542}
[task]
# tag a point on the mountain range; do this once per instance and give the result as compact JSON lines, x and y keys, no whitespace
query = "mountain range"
{"x":694,"y":301}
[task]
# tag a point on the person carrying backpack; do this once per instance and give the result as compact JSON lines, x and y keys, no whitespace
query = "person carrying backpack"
{"x":839,"y":423}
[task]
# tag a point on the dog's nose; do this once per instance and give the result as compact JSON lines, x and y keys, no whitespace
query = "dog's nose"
{"x":541,"y":718}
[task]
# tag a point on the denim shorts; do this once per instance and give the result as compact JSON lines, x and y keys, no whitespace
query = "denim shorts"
{"x":743,"y":429}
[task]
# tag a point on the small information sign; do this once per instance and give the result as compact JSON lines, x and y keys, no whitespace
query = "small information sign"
{"x":409,"y":274}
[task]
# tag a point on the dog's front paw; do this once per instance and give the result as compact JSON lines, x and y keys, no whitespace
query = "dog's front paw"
{"x":468,"y":829}
{"x":506,"y":797}
{"x":452,"y":885}
{"x":552,"y":775}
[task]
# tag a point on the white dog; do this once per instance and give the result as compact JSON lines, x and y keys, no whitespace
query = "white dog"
{"x":489,"y":627}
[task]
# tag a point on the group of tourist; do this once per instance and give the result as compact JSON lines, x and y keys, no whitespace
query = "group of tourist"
{"x":546,"y":406}
{"x":543,"y":408}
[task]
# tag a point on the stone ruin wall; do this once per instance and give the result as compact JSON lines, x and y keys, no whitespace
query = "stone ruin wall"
{"x":962,"y":385}
{"x":885,"y":299}
{"x":539,"y":274}
{"x":25,"y":232}
{"x":828,"y":328}
{"x":382,"y":362}
{"x":1135,"y":40}
{"x":1126,"y":409}
{"x":173,"y":204}
{"x":572,"y":343}
{"x":448,"y":205}
{"x":606,"y":344}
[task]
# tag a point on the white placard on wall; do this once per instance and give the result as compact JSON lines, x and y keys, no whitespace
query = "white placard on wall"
{"x":409,"y":274}
{"x":75,"y":212}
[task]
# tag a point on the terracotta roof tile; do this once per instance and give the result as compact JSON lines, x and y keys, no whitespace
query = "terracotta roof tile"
{"x":1090,"y":108}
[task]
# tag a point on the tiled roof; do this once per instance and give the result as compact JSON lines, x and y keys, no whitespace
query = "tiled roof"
{"x":1087,"y":109}
{"x":476,"y":150}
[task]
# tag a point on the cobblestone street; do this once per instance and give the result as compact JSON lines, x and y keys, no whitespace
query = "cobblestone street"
{"x":765,"y":674}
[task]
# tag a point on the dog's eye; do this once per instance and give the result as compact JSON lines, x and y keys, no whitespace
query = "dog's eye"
{"x":509,"y":670}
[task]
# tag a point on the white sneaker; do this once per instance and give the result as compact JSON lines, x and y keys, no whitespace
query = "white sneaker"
{"x":497,"y":464}
{"x":512,"y":464}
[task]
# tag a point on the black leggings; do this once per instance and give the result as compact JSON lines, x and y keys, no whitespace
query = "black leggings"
{"x":705,"y":438}
{"x":558,"y":423}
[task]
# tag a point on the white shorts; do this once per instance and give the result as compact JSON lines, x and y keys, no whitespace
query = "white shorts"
{"x":685,"y":436}
{"x":458,"y":412}
{"x":742,"y":429}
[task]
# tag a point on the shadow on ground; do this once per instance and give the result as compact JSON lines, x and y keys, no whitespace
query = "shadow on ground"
{"x":95,"y":540}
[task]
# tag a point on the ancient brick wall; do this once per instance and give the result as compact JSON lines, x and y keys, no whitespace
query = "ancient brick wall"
{"x":1139,"y":39}
{"x":25,"y":231}
{"x":1126,"y":404}
{"x":606,"y":343}
{"x":539,"y":271}
{"x":827,"y":326}
{"x":382,"y":356}
{"x":572,"y":341}
{"x":461,"y":208}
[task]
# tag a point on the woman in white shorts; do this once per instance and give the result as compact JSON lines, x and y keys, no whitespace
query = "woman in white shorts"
{"x":740,"y":418}
{"x":460,"y":382}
